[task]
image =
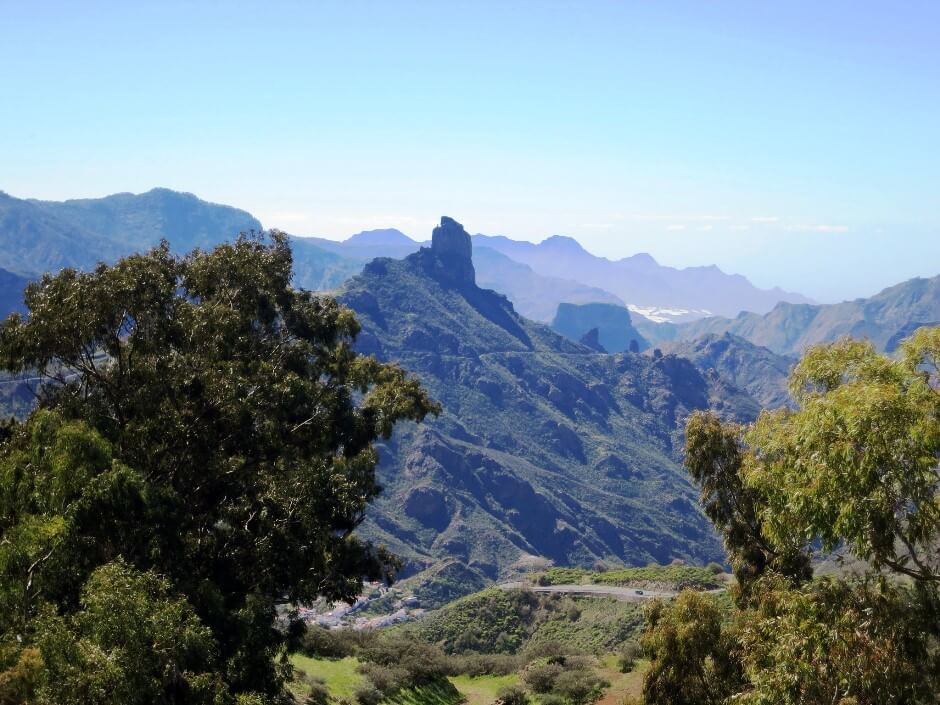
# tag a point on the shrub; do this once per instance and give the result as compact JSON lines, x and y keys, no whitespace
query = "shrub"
{"x":548,"y":648}
{"x":368,"y":694}
{"x":552,"y":699}
{"x":577,"y":662}
{"x":319,"y":642}
{"x":629,"y":653}
{"x":318,"y":693}
{"x":580,"y":687}
{"x":512,"y":695}
{"x":423,"y":662}
{"x":715,"y":568}
{"x":541,"y":677}
{"x":484,"y":664}
{"x":387,"y":679}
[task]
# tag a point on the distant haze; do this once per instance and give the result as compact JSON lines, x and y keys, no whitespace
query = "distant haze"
{"x":794,"y":143}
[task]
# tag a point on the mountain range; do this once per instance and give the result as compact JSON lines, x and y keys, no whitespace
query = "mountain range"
{"x":40,"y":236}
{"x":642,"y":282}
{"x":546,"y":450}
{"x":885,"y":319}
{"x":556,"y":444}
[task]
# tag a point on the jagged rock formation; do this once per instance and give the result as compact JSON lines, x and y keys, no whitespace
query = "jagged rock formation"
{"x":591,"y":339}
{"x":546,"y":450}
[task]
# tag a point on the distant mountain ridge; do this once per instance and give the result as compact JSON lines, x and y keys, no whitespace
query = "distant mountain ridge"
{"x":534,"y":296}
{"x":44,"y":236}
{"x":640,"y":281}
{"x":789,"y":329}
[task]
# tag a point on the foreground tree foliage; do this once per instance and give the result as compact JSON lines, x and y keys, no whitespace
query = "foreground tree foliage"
{"x":203,"y":454}
{"x":856,"y":466}
{"x":693,"y":659}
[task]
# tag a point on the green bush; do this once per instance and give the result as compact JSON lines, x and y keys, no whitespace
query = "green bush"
{"x":629,"y":653}
{"x":552,"y":699}
{"x":368,"y":694}
{"x":545,"y":649}
{"x":387,"y":679}
{"x":318,"y":642}
{"x":424,"y":663}
{"x":512,"y":695}
{"x":318,"y":693}
{"x":580,"y":686}
{"x":484,"y":664}
{"x":541,"y":677}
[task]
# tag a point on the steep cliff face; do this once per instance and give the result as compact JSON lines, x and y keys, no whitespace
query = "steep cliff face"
{"x":546,"y":450}
{"x":613,"y":323}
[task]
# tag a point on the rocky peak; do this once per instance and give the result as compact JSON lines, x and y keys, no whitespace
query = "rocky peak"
{"x":451,"y":247}
{"x":592,"y":339}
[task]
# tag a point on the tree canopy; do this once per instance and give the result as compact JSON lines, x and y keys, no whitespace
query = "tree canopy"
{"x":855,"y":467}
{"x":201,"y":454}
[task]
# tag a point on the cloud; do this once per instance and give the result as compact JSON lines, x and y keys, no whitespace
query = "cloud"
{"x":740,"y":227}
{"x":597,"y":226}
{"x":764,"y":219}
{"x":675,"y":226}
{"x":707,"y":227}
{"x":683,"y":218}
{"x":820,"y":228}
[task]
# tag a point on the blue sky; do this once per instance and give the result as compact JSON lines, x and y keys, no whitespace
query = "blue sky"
{"x":796,"y":143}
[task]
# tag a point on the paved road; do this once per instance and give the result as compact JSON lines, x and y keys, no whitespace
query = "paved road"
{"x":626,"y":594}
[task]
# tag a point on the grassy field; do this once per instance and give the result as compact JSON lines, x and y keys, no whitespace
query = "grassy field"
{"x":482,"y":690}
{"x":339,"y":675}
{"x":434,"y":694}
{"x":342,"y":679}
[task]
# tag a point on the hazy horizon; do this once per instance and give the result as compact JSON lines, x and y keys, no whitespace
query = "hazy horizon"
{"x":795,"y":145}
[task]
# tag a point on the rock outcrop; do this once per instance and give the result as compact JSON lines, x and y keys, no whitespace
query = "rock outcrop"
{"x":453,"y":252}
{"x":592,"y":340}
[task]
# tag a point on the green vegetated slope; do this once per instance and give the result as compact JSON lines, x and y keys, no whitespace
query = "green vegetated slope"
{"x":545,"y":451}
{"x":613,"y":323}
{"x":511,"y":621}
{"x":670,"y":577}
{"x":789,"y":329}
{"x":758,"y":370}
